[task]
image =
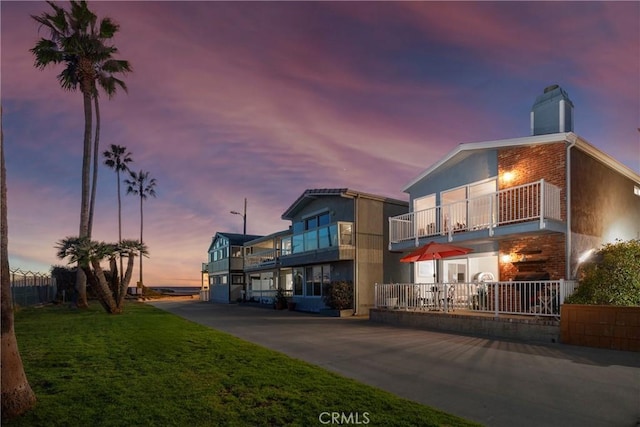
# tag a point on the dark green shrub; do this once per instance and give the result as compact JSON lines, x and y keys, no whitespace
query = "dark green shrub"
{"x":339,"y":295}
{"x":611,"y":276}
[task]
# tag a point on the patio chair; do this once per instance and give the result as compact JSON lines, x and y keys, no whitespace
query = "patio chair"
{"x":450,"y":296}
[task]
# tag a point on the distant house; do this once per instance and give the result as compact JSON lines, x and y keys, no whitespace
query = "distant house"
{"x":262,"y":268}
{"x":225,"y":267}
{"x":336,"y":235}
{"x":531,"y":208}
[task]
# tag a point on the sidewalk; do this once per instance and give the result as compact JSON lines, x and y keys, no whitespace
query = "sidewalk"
{"x":496,"y":383}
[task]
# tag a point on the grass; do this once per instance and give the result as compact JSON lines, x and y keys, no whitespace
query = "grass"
{"x":147,"y":367}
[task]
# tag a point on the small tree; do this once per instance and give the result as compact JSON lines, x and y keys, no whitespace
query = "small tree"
{"x":87,"y":253}
{"x":65,"y":280}
{"x":339,"y":295}
{"x":611,"y":276}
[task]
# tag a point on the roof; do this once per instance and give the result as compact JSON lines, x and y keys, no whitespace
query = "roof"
{"x":566,"y":137}
{"x":270,"y":236}
{"x":314,"y":193}
{"x":235,"y":239}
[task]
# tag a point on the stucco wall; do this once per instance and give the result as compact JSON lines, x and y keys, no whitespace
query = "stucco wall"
{"x":460,"y":170}
{"x":603,"y":205}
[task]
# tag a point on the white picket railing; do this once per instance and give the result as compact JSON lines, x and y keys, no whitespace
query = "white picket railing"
{"x":534,"y":298}
{"x":262,"y":258}
{"x":534,"y":201}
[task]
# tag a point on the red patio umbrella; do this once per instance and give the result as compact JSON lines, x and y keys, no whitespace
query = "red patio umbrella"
{"x":434,"y":251}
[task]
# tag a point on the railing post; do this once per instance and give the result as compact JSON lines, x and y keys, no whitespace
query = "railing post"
{"x":415,"y":228}
{"x":541,"y":204}
{"x":375,"y":295}
{"x":496,"y":298}
{"x":491,"y":218}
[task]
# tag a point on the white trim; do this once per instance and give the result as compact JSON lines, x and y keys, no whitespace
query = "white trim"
{"x":566,"y":137}
{"x":561,"y":118}
{"x":529,"y":140}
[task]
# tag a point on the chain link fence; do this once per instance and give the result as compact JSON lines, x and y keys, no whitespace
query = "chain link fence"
{"x":32,"y":288}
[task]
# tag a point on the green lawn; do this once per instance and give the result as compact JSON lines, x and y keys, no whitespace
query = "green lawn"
{"x":147,"y":367}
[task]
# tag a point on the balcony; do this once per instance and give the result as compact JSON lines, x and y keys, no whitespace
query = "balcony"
{"x":534,"y":202}
{"x":331,"y":242}
{"x":265,"y":258}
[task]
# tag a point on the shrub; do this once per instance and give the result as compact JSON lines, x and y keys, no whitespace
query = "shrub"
{"x":339,"y":295}
{"x":611,"y":276}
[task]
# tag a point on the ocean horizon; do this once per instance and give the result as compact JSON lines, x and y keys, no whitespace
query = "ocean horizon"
{"x":186,"y":290}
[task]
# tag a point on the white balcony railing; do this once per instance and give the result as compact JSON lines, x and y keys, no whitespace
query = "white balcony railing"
{"x":535,"y":298}
{"x":529,"y":202}
{"x":262,"y":258}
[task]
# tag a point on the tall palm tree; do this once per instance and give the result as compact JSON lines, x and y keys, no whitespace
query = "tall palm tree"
{"x":141,"y":184}
{"x":79,"y":42}
{"x":17,"y":395}
{"x":109,"y":83}
{"x":117,"y":158}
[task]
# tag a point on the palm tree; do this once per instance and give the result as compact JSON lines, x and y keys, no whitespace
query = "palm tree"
{"x":77,"y":41}
{"x":89,"y":254}
{"x":17,"y":395}
{"x":109,"y":84}
{"x":117,"y":158}
{"x":141,"y":185}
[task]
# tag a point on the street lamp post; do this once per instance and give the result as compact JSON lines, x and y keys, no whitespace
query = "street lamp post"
{"x":244,"y":235}
{"x":244,"y":217}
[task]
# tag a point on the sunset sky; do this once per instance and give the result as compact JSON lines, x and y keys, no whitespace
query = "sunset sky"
{"x":263,"y":100}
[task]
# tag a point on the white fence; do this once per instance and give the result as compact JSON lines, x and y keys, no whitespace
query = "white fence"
{"x":535,"y":298}
{"x":31,"y":288}
{"x":534,"y":201}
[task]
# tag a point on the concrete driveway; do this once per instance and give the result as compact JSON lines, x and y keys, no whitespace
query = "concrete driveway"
{"x":496,"y":383}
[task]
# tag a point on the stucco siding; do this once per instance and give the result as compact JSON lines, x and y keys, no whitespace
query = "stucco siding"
{"x":461,"y":170}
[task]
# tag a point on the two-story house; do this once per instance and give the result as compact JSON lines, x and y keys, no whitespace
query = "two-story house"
{"x":530,"y":208}
{"x":262,"y":268}
{"x":225,"y":266}
{"x":338,"y":235}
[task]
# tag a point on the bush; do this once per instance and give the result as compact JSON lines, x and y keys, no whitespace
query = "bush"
{"x":339,"y":295}
{"x":611,"y":276}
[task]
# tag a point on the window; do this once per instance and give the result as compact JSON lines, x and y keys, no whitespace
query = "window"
{"x":636,"y":190}
{"x":324,"y":219}
{"x":298,"y":277}
{"x":312,"y":223}
{"x":346,"y":236}
{"x":317,"y":277}
{"x":286,"y":246}
{"x":236,"y":251}
{"x":237,"y":279}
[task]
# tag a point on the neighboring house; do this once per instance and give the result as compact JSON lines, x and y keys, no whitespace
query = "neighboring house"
{"x":339,"y":235}
{"x":225,"y":266}
{"x":263,"y":274}
{"x":531,"y":208}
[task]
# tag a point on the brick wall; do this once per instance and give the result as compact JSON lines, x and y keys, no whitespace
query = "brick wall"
{"x":552,"y":247}
{"x":533,"y":163}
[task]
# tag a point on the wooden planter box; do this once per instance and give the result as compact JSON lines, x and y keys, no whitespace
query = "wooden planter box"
{"x":602,"y":326}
